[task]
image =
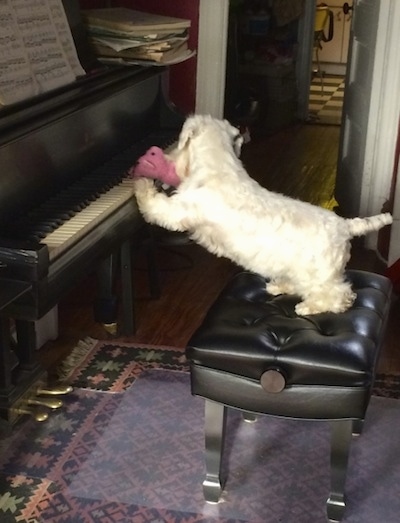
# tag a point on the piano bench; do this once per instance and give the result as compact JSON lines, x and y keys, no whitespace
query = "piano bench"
{"x":253,"y":353}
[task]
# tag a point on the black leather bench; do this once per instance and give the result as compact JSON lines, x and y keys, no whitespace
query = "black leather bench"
{"x":252,"y":352}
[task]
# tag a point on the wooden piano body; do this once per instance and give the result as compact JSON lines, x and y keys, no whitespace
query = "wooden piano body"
{"x":54,"y":151}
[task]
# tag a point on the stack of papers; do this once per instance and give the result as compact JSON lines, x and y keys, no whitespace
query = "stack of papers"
{"x":128,"y":36}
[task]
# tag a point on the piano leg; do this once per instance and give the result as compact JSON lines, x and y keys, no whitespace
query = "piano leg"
{"x":106,"y":304}
{"x":8,"y":362}
{"x":128,"y":312}
{"x":26,"y":347}
{"x":151,"y":253}
{"x":8,"y":359}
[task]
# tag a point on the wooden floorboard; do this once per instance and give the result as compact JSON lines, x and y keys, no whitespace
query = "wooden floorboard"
{"x":299,"y":161}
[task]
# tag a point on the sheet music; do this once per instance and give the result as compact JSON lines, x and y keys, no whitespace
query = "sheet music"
{"x":16,"y":79}
{"x":64,"y":33}
{"x":37,"y":52}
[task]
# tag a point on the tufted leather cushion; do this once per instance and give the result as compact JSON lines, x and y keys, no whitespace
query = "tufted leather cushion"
{"x":323,"y":358}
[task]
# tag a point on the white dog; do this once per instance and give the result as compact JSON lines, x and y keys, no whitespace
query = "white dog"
{"x":301,"y":248}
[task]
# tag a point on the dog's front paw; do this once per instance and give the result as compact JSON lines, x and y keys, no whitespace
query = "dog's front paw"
{"x":142,"y":184}
{"x":143,"y":188}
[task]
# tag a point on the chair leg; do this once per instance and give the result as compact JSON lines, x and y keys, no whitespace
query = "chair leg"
{"x":341,"y":433}
{"x":215,"y":424}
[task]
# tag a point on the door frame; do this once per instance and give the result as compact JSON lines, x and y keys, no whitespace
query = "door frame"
{"x":380,"y":151}
{"x":211,"y":57}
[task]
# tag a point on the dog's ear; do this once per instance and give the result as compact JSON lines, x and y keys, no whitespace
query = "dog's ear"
{"x":189,"y":131}
{"x":236,"y":137}
{"x":237,"y":144}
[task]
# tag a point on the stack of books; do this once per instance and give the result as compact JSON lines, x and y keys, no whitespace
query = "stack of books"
{"x":127,"y":36}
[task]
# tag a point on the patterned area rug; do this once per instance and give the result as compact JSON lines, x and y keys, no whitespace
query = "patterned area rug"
{"x":387,"y":386}
{"x":326,"y":100}
{"x":113,"y":367}
{"x":128,"y":447}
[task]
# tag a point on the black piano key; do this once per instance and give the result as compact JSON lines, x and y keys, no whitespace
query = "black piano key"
{"x":37,"y":235}
{"x":49,"y":221}
{"x":65,"y":215}
{"x":43,"y":231}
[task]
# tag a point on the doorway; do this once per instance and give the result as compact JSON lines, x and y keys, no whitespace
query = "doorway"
{"x":260,"y":87}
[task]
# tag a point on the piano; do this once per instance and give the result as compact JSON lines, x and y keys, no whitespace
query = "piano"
{"x":67,"y":204}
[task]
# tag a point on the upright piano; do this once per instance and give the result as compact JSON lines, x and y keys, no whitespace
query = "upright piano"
{"x":66,"y":203}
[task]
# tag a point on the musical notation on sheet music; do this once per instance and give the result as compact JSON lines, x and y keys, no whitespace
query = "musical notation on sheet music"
{"x":37,"y":51}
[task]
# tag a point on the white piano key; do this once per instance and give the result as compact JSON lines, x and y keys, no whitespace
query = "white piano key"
{"x":79,"y":225}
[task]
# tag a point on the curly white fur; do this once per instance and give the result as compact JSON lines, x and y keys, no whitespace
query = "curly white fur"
{"x":303,"y":249}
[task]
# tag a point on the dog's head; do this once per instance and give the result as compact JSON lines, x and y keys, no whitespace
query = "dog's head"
{"x":197,"y":125}
{"x":204,"y":129}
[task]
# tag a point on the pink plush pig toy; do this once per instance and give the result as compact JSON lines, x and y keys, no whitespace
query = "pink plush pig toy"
{"x":154,"y":164}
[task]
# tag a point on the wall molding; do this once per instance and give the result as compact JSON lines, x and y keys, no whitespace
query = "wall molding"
{"x":211,"y":57}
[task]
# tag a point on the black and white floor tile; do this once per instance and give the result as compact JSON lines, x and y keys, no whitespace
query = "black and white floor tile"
{"x":326,"y":99}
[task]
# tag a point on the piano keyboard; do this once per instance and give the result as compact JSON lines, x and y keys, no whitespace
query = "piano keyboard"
{"x":69,"y":216}
{"x":77,"y":226}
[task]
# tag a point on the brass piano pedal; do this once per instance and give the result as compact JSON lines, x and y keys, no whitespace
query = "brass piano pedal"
{"x":50,"y":403}
{"x":111,"y":328}
{"x":54,"y":390}
{"x":36,"y":414}
{"x":32,"y":403}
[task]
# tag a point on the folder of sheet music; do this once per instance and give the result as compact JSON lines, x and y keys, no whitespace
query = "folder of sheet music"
{"x":128,"y":36}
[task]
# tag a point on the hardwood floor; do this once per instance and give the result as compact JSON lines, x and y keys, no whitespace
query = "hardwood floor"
{"x":300,"y":162}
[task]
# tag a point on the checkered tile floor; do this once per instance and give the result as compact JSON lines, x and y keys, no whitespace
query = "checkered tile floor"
{"x":325,"y":104}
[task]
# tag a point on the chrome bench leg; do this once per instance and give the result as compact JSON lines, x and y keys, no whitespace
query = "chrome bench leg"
{"x":341,"y":434}
{"x":215,"y":423}
{"x":358,"y":425}
{"x":249,"y":417}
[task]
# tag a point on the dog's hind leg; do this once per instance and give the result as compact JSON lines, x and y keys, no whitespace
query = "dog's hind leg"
{"x":278,"y":286}
{"x":332,"y":297}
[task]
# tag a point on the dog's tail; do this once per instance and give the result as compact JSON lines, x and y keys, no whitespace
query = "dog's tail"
{"x":361,"y":226}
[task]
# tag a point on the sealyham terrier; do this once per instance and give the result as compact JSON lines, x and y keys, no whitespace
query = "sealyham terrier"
{"x":300,"y":248}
